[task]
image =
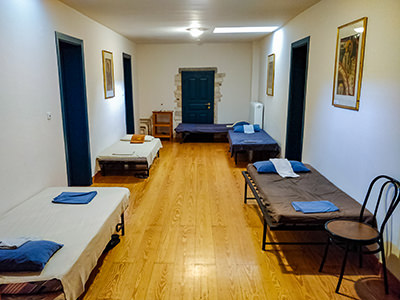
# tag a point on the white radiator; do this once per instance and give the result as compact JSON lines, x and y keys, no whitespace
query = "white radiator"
{"x":257,"y":113}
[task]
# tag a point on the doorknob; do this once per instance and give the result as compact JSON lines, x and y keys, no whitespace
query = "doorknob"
{"x":208,"y":104}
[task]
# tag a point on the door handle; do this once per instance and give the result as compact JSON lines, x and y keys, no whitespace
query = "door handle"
{"x":208,"y":104}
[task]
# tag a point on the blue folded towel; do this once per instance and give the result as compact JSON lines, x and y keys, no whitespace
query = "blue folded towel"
{"x":310,"y":207}
{"x":74,"y":197}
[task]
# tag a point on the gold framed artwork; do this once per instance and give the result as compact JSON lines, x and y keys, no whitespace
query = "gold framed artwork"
{"x":270,"y":74}
{"x":349,"y":58}
{"x":108,"y":74}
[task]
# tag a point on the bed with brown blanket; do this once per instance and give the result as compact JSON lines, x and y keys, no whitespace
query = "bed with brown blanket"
{"x":275,"y":195}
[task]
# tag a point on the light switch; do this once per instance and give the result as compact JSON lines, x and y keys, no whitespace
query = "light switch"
{"x":49,"y":115}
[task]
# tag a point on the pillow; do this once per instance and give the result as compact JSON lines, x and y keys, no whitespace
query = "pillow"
{"x":267,"y":166}
{"x":298,"y":166}
{"x":239,"y":128}
{"x":238,"y":123}
{"x":31,"y":256}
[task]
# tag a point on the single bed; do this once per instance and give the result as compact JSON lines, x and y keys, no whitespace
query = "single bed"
{"x":259,"y":141}
{"x":124,"y":156}
{"x":84,"y":230}
{"x":185,"y":129}
{"x":275,"y":194}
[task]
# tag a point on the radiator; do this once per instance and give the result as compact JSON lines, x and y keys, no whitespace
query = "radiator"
{"x":257,"y":113}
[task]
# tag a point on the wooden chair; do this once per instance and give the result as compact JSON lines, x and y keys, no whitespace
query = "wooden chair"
{"x":353,"y":235}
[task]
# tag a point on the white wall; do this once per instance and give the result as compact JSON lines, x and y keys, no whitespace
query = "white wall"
{"x":159,"y":63}
{"x":32,"y":148}
{"x":349,"y":147}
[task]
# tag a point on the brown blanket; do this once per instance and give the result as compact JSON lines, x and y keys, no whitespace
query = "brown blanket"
{"x":278,"y":193}
{"x":137,"y":139}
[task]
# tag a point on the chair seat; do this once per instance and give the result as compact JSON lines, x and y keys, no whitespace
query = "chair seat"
{"x":352,"y":230}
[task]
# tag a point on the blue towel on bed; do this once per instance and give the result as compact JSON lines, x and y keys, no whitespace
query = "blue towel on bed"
{"x":74,"y":197}
{"x":310,"y":207}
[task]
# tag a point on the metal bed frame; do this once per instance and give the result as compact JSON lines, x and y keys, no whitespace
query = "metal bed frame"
{"x":269,"y":222}
{"x":121,"y":226}
{"x":126,"y":165}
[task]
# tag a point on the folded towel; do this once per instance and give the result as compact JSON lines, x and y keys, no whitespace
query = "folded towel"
{"x":148,"y":138}
{"x":74,"y":197}
{"x":283,"y":167}
{"x":13,"y":243}
{"x":248,"y":129}
{"x":126,"y":138}
{"x":310,"y":207}
{"x":137,"y":139}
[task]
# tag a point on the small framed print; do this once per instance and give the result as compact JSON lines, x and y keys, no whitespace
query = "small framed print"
{"x":270,"y":74}
{"x":349,"y":60}
{"x":108,"y":74}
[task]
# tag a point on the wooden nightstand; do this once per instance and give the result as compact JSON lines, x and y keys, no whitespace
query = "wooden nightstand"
{"x":162,"y":124}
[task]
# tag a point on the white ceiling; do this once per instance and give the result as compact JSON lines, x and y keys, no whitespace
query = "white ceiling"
{"x":166,"y":21}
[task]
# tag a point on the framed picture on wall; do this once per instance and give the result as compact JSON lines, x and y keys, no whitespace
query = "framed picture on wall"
{"x":270,"y":74}
{"x":349,"y":59}
{"x":108,"y":74}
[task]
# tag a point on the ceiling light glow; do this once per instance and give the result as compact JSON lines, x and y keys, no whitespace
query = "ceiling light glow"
{"x":196,"y":32}
{"x":244,"y":29}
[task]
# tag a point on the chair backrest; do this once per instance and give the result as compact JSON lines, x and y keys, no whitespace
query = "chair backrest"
{"x":383,"y":182}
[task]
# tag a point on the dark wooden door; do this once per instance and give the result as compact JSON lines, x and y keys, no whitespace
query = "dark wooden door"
{"x":129,"y":113}
{"x":74,"y":110}
{"x":198,"y":97}
{"x":297,"y":96}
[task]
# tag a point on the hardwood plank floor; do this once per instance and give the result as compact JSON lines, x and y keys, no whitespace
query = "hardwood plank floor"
{"x":190,"y":236}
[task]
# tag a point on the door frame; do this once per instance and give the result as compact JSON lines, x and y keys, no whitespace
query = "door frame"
{"x":300,"y":43}
{"x":61,"y":37}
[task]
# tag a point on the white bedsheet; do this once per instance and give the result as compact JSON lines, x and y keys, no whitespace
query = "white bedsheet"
{"x":83,"y":229}
{"x":122,"y":150}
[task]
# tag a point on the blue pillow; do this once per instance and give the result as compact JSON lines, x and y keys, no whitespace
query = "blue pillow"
{"x":298,"y":166}
{"x":31,"y":256}
{"x":267,"y":166}
{"x":240,"y":123}
{"x":239,"y":128}
{"x":264,"y":166}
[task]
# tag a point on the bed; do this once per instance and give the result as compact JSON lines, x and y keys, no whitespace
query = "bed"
{"x":274,"y":195}
{"x":259,"y":141}
{"x":124,"y":156}
{"x":84,"y":230}
{"x":185,"y":129}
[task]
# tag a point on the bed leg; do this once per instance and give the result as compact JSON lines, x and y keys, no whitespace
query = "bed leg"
{"x":102,"y":170}
{"x":264,"y":235}
{"x":121,"y":226}
{"x":245,"y":191}
{"x":235,"y":157}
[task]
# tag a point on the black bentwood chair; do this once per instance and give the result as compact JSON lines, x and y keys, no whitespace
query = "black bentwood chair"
{"x":353,"y":235}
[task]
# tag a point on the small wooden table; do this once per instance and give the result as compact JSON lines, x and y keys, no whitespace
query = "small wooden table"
{"x":162,"y":124}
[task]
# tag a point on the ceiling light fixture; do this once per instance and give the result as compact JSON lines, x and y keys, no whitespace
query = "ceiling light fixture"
{"x":244,"y":29}
{"x":196,"y":31}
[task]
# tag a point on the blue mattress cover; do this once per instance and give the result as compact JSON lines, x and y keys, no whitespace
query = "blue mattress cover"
{"x":259,"y":141}
{"x":202,"y":128}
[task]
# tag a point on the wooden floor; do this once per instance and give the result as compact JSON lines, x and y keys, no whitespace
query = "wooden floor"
{"x":190,"y":236}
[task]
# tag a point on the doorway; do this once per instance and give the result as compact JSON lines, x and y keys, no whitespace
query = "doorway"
{"x":297,"y":97}
{"x":129,"y":111}
{"x":71,"y":73}
{"x":198,"y":97}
